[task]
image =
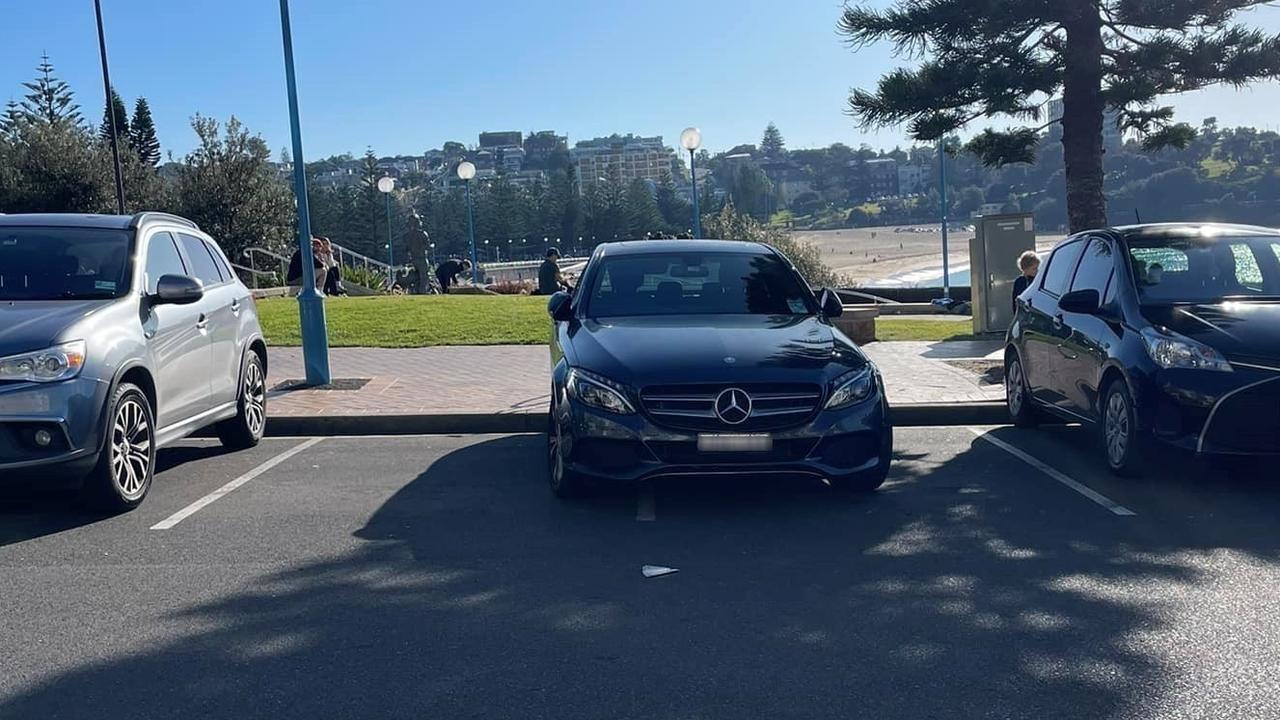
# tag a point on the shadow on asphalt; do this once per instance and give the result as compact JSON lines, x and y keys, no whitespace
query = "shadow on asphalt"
{"x":964,"y":588}
{"x":29,"y":511}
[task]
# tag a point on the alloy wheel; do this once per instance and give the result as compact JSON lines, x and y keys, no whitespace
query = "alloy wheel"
{"x":1014,"y":388}
{"x":130,"y":448}
{"x":255,"y":399}
{"x":555,"y":439}
{"x":1117,"y":430}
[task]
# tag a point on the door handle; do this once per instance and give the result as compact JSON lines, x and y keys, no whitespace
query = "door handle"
{"x":202,"y":323}
{"x":1067,"y":353}
{"x":1057,"y":321}
{"x":235,"y":307}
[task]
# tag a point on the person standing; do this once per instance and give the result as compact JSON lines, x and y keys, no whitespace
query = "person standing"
{"x":550,"y":279}
{"x":418,"y":238}
{"x":1029,"y":264}
{"x":448,"y":271}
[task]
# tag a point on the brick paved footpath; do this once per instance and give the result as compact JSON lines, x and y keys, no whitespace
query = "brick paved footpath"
{"x":515,"y":379}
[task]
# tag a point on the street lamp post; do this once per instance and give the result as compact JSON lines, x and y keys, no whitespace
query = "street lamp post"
{"x":942,"y":190}
{"x":467,"y":173}
{"x":385,"y":186}
{"x":691,"y":140}
{"x":315,"y":334}
{"x":111,"y":110}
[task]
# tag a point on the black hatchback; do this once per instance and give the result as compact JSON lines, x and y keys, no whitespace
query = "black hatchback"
{"x":1158,"y":335}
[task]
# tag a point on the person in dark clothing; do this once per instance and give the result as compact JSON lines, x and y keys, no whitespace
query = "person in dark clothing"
{"x":550,"y":279}
{"x":1029,"y":264}
{"x":293,"y":276}
{"x":448,"y":271}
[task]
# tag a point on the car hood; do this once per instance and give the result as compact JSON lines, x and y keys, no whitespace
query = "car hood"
{"x":35,"y":325}
{"x":713,"y":349}
{"x":1242,"y":331}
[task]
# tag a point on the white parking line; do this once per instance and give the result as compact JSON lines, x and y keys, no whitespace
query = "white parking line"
{"x":1084,"y":490}
{"x":645,"y":503}
{"x":196,"y":506}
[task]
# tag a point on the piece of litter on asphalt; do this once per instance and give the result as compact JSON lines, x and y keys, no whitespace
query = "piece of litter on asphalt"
{"x":653,"y":571}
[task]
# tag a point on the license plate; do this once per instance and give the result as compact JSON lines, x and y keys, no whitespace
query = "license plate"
{"x":734,"y":443}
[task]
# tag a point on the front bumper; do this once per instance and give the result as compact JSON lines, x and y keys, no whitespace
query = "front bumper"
{"x":633,"y":448}
{"x":1236,"y":413}
{"x":70,"y":412}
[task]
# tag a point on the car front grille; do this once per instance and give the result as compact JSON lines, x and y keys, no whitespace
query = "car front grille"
{"x":1248,"y":421}
{"x":693,"y":407}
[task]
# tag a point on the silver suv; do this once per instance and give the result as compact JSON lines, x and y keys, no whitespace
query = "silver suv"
{"x":120,"y":335}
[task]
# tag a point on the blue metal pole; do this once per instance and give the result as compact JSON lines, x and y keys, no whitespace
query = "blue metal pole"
{"x":693,"y":178}
{"x":471,"y":234}
{"x":942,"y":185}
{"x":391,"y":245}
{"x":315,"y":334}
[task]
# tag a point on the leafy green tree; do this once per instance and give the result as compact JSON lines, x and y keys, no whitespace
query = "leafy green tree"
{"x":142,"y":134}
{"x":751,"y":190}
{"x":643,"y":215}
{"x":772,"y":146}
{"x":676,"y":212}
{"x":229,"y":186}
{"x":11,"y":120}
{"x":53,"y":167}
{"x":999,"y":58}
{"x":115,"y":107}
{"x":729,"y":224}
{"x":50,"y":100}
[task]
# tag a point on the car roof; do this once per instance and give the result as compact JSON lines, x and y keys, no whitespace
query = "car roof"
{"x":660,"y":247}
{"x":90,"y":220}
{"x":112,"y":222}
{"x":1173,"y":231}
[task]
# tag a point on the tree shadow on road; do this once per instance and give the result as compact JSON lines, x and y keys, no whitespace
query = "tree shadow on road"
{"x":955,"y":592}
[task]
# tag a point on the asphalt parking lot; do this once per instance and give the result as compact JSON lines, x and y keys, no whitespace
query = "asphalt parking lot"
{"x":435,"y":577}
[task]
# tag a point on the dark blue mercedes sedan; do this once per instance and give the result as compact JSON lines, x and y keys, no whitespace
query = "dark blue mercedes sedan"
{"x":697,"y":358}
{"x":1160,"y":336}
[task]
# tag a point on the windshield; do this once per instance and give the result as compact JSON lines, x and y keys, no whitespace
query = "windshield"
{"x":48,"y":263}
{"x":697,"y":284}
{"x":1197,"y":270}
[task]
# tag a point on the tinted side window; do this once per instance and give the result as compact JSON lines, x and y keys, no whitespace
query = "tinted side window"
{"x":1096,"y":267}
{"x":202,"y":264}
{"x":1062,"y":265}
{"x":162,"y":259}
{"x":222,"y":264}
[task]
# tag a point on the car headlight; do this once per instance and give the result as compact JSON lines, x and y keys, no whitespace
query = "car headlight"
{"x":853,"y":388}
{"x":599,"y":392}
{"x":1171,"y":350}
{"x":60,"y":362}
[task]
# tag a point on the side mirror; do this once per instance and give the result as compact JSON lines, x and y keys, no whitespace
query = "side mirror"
{"x":560,"y":307}
{"x":178,"y":290}
{"x":832,"y":306}
{"x":1084,"y":302}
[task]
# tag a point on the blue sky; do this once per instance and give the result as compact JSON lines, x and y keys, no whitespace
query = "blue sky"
{"x":405,"y":75}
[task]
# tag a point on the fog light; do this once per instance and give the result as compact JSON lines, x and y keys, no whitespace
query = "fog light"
{"x":43,"y":438}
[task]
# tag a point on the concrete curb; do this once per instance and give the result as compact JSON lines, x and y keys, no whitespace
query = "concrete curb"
{"x":984,"y":413}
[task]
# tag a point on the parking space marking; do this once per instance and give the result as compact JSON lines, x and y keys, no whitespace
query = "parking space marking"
{"x":645,"y":504}
{"x":212,"y":497}
{"x":1084,"y":490}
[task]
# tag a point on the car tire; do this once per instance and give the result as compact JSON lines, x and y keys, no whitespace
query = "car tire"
{"x":870,"y":480}
{"x":564,"y":482}
{"x":1122,"y":443}
{"x":1018,"y":393}
{"x":126,"y":467}
{"x":245,"y":430}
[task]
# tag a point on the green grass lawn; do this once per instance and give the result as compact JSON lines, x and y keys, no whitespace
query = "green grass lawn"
{"x":422,"y":321}
{"x":428,"y":321}
{"x":889,"y":329}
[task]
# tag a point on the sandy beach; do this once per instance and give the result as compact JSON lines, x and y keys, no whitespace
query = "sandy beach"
{"x":883,"y":256}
